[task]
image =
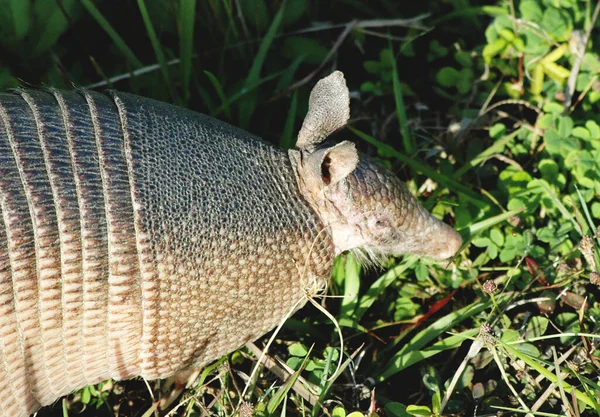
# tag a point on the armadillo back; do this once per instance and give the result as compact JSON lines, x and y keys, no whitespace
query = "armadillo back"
{"x":138,"y":239}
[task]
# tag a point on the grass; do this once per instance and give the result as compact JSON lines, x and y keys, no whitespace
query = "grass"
{"x":511,"y":323}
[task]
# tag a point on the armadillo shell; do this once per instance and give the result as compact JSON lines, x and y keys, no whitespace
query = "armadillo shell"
{"x":138,"y":238}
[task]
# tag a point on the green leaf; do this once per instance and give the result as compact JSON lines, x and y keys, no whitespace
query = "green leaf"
{"x":52,"y":21}
{"x":595,"y":209}
{"x":21,"y":18}
{"x":493,"y":48}
{"x":418,"y":410}
{"x":537,"y":82}
{"x":536,"y":327}
{"x":298,"y":349}
{"x":405,"y":309}
{"x":549,"y":169}
{"x":557,"y":23}
{"x":86,"y":395}
{"x":530,"y":11}
{"x":372,"y":67}
{"x":528,"y":349}
{"x":514,"y":246}
{"x":464,"y":58}
{"x":447,"y":77}
{"x":494,"y":11}
{"x":594,"y":129}
{"x":294,"y":10}
{"x":492,"y":251}
{"x":393,"y":409}
{"x":465,"y":80}
{"x":581,"y":162}
{"x":422,"y":272}
{"x":553,"y":107}
{"x":338,"y":412}
{"x":496,"y":236}
{"x":481,"y":242}
{"x":558,"y":145}
{"x":497,"y":130}
{"x":556,"y":72}
{"x":507,"y":35}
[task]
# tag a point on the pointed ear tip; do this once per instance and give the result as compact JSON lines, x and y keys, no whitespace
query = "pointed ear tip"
{"x":336,"y":77}
{"x":348,"y":145}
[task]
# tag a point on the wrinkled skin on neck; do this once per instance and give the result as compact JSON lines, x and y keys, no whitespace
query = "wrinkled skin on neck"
{"x":371,"y":211}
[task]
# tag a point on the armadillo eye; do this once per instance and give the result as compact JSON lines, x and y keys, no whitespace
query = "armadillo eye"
{"x":381,"y":224}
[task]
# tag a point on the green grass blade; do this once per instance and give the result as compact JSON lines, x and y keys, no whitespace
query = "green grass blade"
{"x":351,"y":288}
{"x":110,"y":31}
{"x":549,"y":375}
{"x":248,"y":105}
{"x":325,"y":390}
{"x":230,"y":20}
{"x":414,"y":356}
{"x":586,"y":211}
{"x":265,"y":45}
{"x":219,"y":89}
{"x":367,"y":300}
{"x":479,"y":227}
{"x":151,"y":411}
{"x":187,"y":17}
{"x":424,"y":169}
{"x":160,"y":56}
{"x":282,"y":392}
{"x":287,"y":137}
{"x":563,"y":210}
{"x":496,"y":147}
{"x":410,"y":353}
{"x":516,"y":411}
{"x":407,"y":138}
{"x":244,"y":92}
{"x":65,"y":408}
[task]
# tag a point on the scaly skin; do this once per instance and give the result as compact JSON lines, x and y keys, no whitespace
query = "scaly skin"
{"x":139,"y":239}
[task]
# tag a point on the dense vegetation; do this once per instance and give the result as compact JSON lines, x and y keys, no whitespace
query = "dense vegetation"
{"x":488,"y":110}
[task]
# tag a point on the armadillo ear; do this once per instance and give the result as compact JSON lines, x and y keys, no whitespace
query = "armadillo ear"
{"x":328,"y":110}
{"x":338,"y":162}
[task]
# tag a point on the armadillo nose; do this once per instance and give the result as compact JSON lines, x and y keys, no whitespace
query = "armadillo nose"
{"x":449,"y":242}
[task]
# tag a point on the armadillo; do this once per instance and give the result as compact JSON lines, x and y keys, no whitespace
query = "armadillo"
{"x":142,"y":239}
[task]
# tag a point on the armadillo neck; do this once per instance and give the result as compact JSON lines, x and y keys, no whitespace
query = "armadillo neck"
{"x":138,"y":239}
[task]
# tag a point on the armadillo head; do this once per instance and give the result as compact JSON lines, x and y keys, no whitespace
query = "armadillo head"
{"x":365,"y":206}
